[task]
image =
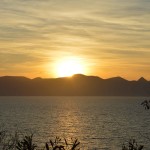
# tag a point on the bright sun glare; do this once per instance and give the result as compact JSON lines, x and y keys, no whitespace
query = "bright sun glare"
{"x":68,"y":67}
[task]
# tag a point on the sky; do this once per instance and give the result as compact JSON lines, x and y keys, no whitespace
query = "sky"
{"x":109,"y":38}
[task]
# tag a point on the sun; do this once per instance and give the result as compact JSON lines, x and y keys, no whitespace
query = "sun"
{"x":69,"y":66}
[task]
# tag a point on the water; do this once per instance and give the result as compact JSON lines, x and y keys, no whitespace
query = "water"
{"x":98,"y":122}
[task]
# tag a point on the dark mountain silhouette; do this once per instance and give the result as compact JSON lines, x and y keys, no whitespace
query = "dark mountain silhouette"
{"x":142,"y":80}
{"x":77,"y":85}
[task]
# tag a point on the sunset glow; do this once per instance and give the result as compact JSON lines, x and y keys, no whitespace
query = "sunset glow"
{"x":111,"y":38}
{"x":68,"y":67}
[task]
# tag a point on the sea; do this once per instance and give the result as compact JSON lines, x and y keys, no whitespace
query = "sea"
{"x":104,"y":123}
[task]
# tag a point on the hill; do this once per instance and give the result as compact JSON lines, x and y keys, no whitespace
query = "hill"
{"x":77,"y":85}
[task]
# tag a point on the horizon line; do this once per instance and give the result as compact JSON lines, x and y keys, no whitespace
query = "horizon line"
{"x":140,"y":78}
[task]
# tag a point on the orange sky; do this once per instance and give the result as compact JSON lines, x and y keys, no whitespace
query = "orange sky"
{"x":107,"y":38}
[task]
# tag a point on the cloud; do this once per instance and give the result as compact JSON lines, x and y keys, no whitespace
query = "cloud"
{"x":36,"y":30}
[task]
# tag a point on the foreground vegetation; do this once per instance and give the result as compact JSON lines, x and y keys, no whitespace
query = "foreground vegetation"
{"x":19,"y":141}
{"x":26,"y":142}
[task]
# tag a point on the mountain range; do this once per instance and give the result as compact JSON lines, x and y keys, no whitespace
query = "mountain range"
{"x":77,"y":85}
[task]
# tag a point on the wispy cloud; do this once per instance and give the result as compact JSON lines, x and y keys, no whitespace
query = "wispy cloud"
{"x":101,"y":32}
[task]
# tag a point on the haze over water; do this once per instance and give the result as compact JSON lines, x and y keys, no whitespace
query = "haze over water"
{"x":98,"y":122}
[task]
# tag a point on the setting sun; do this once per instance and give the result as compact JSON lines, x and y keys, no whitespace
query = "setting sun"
{"x":68,"y":67}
